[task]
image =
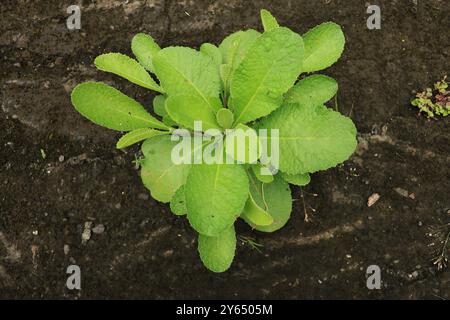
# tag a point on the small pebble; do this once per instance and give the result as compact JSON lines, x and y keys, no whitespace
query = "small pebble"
{"x":402,"y":192}
{"x":61,"y":158}
{"x":373,"y":199}
{"x":98,"y":229}
{"x":66,"y":249}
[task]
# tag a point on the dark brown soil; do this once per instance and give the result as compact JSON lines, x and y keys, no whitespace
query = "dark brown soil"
{"x":145,"y":251}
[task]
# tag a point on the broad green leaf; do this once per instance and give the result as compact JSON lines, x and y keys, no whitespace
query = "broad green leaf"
{"x":324,"y":45}
{"x":159,"y":173}
{"x":254,"y":214}
{"x":213,"y":52}
{"x":268,"y":20}
{"x":297,"y":179}
{"x":110,"y":108}
{"x":184,"y":71}
{"x":127,"y":68}
{"x":225,"y":118}
{"x":178,"y":202}
{"x":233,"y":49}
{"x":185,"y":110}
{"x":242,"y":144}
{"x":273,"y":198}
{"x":217,"y":253}
{"x":266,"y":178}
{"x":144,"y":48}
{"x":267,"y":72}
{"x":215,"y":196}
{"x":138,"y":135}
{"x":317,"y":88}
{"x":159,"y":105}
{"x":311,"y":138}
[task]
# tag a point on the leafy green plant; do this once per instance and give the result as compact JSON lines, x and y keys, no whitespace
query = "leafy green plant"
{"x":434,"y":103}
{"x":249,"y":81}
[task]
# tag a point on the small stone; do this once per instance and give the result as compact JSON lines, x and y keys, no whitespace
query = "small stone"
{"x":373,"y":199}
{"x":402,"y":192}
{"x":35,"y":232}
{"x":61,"y":158}
{"x":118,"y":206}
{"x":412,"y":196}
{"x":168,"y":253}
{"x":86,"y":235}
{"x":66,"y":249}
{"x":98,"y":229}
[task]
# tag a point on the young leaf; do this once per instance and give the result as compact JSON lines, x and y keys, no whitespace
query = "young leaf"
{"x":144,"y":48}
{"x":268,"y":20}
{"x":215,"y":196}
{"x":265,"y":178}
{"x":324,"y":45}
{"x":254,"y":214}
{"x":233,"y":49}
{"x":317,"y":89}
{"x":213,"y":52}
{"x":159,"y":174}
{"x":267,"y":72}
{"x":159,"y":105}
{"x":297,"y":179}
{"x":110,"y":108}
{"x":225,"y":118}
{"x":184,"y":71}
{"x":127,"y":68}
{"x":275,"y":199}
{"x":184,"y":109}
{"x":138,"y":135}
{"x":311,"y":138}
{"x":217,"y":253}
{"x":178,"y":202}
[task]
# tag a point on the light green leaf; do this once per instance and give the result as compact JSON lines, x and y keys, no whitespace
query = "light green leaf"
{"x":178,"y":202}
{"x":324,"y":45}
{"x":317,"y":88}
{"x":213,"y":52}
{"x":138,"y":135}
{"x":275,"y":199}
{"x":233,"y":49}
{"x":297,"y":179}
{"x":127,"y":68}
{"x":144,"y":48}
{"x":267,"y":72}
{"x":184,"y":71}
{"x":254,"y":214}
{"x":311,"y":138}
{"x":265,"y":178}
{"x":159,"y":174}
{"x":110,"y":108}
{"x":215,"y":196}
{"x":185,"y":110}
{"x":159,"y":105}
{"x":225,"y":118}
{"x":268,"y":20}
{"x":217,"y":253}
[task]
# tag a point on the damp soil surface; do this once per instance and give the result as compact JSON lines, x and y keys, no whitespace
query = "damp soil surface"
{"x":60,"y":173}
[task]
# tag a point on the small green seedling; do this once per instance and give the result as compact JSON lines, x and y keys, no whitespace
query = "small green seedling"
{"x":434,"y":103}
{"x":250,"y":81}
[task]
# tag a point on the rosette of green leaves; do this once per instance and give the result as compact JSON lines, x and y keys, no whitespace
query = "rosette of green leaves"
{"x":250,"y":80}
